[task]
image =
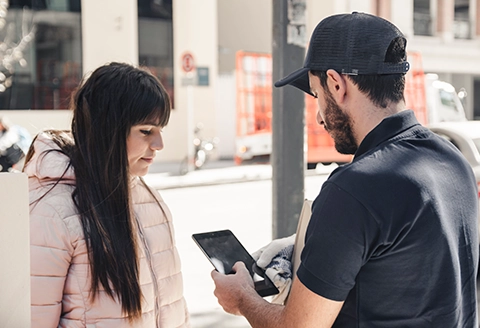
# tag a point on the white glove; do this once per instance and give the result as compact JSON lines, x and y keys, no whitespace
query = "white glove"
{"x":276,"y":259}
{"x":265,"y":255}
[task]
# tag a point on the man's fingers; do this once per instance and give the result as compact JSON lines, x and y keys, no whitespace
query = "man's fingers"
{"x":214,"y":274}
{"x":239,"y":266}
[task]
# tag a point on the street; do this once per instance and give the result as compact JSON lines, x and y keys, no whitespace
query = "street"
{"x":244,"y":208}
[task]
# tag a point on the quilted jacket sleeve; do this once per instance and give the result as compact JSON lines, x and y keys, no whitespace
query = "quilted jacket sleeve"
{"x":51,"y":253}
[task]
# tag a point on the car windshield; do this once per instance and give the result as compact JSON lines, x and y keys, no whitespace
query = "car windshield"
{"x":448,"y":99}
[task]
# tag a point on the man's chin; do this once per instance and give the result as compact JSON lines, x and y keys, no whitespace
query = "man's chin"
{"x":346,"y":150}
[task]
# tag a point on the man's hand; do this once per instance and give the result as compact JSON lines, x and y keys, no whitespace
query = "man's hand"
{"x":232,"y":289}
{"x":276,"y":259}
{"x":265,"y":255}
{"x":237,"y":295}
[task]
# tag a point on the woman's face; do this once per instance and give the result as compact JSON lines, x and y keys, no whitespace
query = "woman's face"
{"x":143,"y":142}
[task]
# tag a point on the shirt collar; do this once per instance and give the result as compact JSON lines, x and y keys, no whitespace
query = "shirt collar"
{"x":388,"y":128}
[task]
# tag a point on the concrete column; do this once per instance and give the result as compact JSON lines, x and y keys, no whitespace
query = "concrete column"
{"x":401,"y":14}
{"x":195,"y":31}
{"x":288,"y":123}
{"x":109,"y":32}
{"x":318,"y":10}
{"x":363,"y":6}
{"x":385,"y":9}
{"x":14,"y":251}
{"x":434,"y":16}
{"x":477,"y":17}
{"x":445,"y":17}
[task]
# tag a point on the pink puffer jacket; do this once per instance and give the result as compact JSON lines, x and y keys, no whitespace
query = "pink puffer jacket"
{"x":60,"y":271}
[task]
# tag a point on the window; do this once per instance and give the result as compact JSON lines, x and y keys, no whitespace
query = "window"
{"x":448,"y":99}
{"x":46,"y":70}
{"x":461,"y":23}
{"x":155,"y":40}
{"x":422,"y":18}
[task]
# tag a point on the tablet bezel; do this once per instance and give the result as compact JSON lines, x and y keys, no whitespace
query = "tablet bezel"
{"x":263,"y":287}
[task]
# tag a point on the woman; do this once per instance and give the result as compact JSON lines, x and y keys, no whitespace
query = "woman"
{"x":102,"y":244}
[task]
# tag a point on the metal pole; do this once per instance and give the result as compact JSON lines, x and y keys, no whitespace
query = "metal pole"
{"x":190,"y":126}
{"x":288,"y":117}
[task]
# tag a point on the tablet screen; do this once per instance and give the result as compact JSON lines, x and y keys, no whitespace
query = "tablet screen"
{"x":223,"y":250}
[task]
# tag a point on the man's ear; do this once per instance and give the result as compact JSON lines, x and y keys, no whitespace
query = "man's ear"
{"x":337,"y":85}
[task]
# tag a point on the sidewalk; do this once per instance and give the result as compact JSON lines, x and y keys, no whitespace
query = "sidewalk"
{"x":167,"y":176}
{"x":203,"y":306}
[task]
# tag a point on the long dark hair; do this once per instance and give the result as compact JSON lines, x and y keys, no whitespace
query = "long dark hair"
{"x":114,"y":98}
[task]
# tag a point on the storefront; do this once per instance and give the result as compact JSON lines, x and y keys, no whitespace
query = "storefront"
{"x":44,"y":41}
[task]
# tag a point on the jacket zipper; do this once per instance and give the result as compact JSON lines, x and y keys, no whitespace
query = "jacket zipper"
{"x":150,"y":265}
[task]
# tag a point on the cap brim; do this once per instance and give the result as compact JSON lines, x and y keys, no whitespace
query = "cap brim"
{"x":298,"y":79}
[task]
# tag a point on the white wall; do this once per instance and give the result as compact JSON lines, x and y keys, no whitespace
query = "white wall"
{"x":37,"y":120}
{"x":226,"y":115}
{"x":14,"y":251}
{"x":402,"y":16}
{"x":109,"y":32}
{"x":243,"y":25}
{"x":194,"y":31}
{"x":318,"y":10}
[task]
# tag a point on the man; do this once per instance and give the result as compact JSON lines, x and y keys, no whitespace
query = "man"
{"x":392,"y":240}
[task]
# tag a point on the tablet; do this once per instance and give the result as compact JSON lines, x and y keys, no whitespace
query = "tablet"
{"x":223,"y":249}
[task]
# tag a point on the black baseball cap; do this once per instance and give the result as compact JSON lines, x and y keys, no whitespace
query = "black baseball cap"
{"x":354,"y":44}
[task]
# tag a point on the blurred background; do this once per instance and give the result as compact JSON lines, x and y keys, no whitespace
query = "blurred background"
{"x":214,"y":58}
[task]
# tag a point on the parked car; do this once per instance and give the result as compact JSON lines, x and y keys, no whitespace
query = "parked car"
{"x":466,"y":137}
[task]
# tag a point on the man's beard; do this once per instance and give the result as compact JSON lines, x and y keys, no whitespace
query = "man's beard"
{"x":339,"y":125}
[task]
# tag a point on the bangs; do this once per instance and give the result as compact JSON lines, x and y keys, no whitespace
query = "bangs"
{"x":152,"y":106}
{"x":156,"y":116}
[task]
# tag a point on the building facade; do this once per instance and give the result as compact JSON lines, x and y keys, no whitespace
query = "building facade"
{"x":191,"y":45}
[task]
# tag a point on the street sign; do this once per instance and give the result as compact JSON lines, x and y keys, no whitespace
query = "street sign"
{"x":202,"y":76}
{"x":188,"y":63}
{"x":187,"y":81}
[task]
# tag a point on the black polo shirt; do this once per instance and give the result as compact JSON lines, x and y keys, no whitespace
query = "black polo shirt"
{"x":394,"y":233}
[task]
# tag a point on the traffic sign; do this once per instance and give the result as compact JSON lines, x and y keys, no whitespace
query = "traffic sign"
{"x":188,"y":63}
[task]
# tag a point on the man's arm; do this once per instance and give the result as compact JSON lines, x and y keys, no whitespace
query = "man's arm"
{"x":236,"y":294}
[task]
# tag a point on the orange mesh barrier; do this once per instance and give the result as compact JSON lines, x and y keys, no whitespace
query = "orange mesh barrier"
{"x":415,"y":97}
{"x":321,"y":148}
{"x":254,"y":93}
{"x":254,"y":103}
